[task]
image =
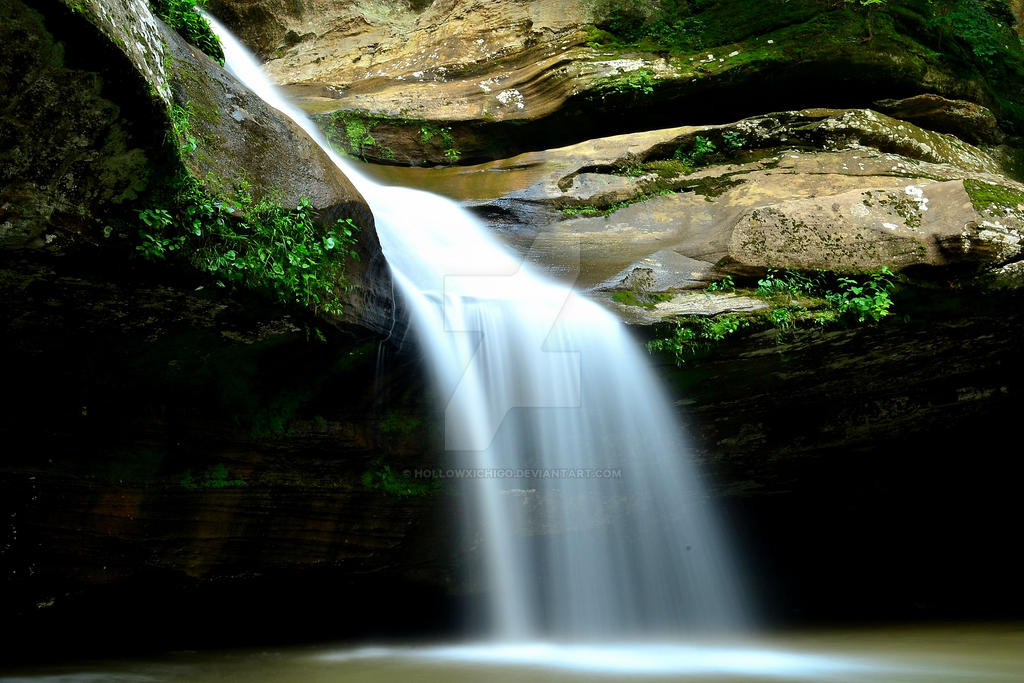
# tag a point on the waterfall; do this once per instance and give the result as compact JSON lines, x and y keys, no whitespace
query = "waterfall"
{"x":594,"y":523}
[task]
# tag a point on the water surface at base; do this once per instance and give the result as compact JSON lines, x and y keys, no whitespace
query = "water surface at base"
{"x":908,"y":655}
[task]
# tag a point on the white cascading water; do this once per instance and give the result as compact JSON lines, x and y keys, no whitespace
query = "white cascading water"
{"x":593,"y":523}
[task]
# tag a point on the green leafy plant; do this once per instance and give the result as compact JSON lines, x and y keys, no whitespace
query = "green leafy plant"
{"x":629,"y":170}
{"x":442,"y":136}
{"x":784,"y":283}
{"x":183,"y":17}
{"x":866,"y":299}
{"x":734,"y":140}
{"x":383,"y":478}
{"x":181,"y":124}
{"x":796,"y":299}
{"x":692,"y":334}
{"x":252,"y":244}
{"x":726,"y":284}
{"x":640,"y":82}
{"x":699,"y":152}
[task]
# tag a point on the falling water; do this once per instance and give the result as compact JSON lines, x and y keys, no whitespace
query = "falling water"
{"x":593,"y":521}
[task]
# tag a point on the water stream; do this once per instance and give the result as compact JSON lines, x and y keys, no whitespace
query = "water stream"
{"x":594,"y":523}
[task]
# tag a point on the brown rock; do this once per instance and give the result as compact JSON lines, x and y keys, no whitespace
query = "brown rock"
{"x":968,"y":121}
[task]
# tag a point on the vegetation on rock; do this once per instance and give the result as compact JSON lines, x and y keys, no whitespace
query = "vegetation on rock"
{"x":216,"y":478}
{"x":184,"y":17}
{"x":994,"y":198}
{"x":817,"y":299}
{"x":382,"y":478}
{"x":959,"y":36}
{"x":352,"y":133}
{"x":253,"y":243}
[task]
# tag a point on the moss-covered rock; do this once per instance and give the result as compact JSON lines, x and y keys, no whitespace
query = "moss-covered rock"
{"x":841,"y":190}
{"x":107,"y":105}
{"x":509,"y":77}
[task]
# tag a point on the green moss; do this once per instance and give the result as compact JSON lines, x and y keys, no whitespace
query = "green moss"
{"x":993,"y":198}
{"x":609,"y":209}
{"x":910,"y":40}
{"x":646,"y":300}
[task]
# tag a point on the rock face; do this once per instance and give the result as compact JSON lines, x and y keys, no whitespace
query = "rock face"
{"x":967,"y":121}
{"x":835,"y":190}
{"x":842,"y":449}
{"x":94,"y":89}
{"x":175,"y":455}
{"x":503,"y":77}
{"x":164,"y":442}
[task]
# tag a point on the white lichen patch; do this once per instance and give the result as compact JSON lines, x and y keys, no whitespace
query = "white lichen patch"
{"x":488,"y":84}
{"x":613,"y":67}
{"x":512,"y":98}
{"x":1005,"y":241}
{"x":860,"y":210}
{"x":916,"y":195}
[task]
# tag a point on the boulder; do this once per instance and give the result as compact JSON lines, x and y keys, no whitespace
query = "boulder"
{"x":968,"y":121}
{"x":840,"y":190}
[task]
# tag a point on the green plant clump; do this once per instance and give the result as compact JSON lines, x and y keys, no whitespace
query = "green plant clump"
{"x":703,"y":151}
{"x":968,"y":39}
{"x":429,"y":132}
{"x":255,"y":244}
{"x":184,"y":17}
{"x":819,"y":299}
{"x":694,"y":334}
{"x":384,"y":479}
{"x":864,"y":300}
{"x":395,"y":422}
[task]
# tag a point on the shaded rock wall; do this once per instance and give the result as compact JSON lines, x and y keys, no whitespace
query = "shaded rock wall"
{"x":88,"y":138}
{"x":181,"y":468}
{"x":867,"y":472}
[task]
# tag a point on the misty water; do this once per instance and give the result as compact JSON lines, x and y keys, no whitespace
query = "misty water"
{"x":620,"y":571}
{"x":593,"y":522}
{"x":947,"y":654}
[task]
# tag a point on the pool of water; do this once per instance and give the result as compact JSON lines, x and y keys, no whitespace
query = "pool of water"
{"x":891,"y":655}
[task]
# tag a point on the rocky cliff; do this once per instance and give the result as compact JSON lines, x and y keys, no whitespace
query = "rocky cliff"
{"x":176,"y":452}
{"x":496,"y":78}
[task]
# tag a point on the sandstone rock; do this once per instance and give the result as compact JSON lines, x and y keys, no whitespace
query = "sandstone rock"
{"x":661,"y":271}
{"x":844,"y":190}
{"x":686,"y":303}
{"x":968,"y":121}
{"x":504,"y":77}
